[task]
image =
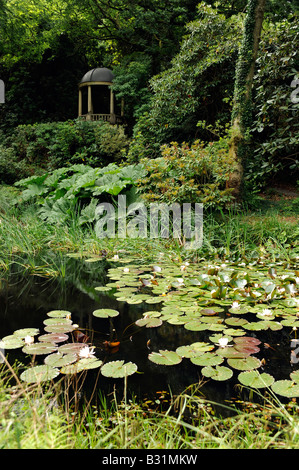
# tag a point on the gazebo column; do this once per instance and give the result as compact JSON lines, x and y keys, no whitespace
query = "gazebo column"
{"x":112,"y":114}
{"x":89,"y":103}
{"x":80,"y":103}
{"x":111,"y":102}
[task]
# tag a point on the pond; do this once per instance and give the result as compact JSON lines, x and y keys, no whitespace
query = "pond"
{"x":170,"y":325}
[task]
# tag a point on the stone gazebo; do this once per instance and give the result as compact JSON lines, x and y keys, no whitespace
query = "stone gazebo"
{"x":96,"y":98}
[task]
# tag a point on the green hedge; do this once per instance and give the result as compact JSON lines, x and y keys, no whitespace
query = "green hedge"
{"x":55,"y":144}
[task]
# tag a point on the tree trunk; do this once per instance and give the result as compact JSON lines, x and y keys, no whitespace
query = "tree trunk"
{"x":242,"y":106}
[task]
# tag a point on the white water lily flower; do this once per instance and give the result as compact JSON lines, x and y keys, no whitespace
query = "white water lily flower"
{"x":235,"y":305}
{"x":115,"y":258}
{"x":223,"y":342}
{"x":29,"y":339}
{"x":86,"y":352}
{"x":126,"y":270}
{"x":256,"y":293}
{"x":266,"y":312}
{"x":292,"y":289}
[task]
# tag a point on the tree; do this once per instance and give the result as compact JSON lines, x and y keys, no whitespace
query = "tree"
{"x":242,"y":106}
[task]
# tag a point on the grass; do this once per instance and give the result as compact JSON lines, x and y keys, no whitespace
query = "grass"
{"x":237,"y":233}
{"x":45,"y":417}
{"x":37,"y":417}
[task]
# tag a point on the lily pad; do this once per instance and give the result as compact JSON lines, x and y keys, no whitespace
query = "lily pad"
{"x":250,"y":340}
{"x":102,"y":288}
{"x":236,"y":321}
{"x":207,"y":359}
{"x":53,"y":338}
{"x":118,"y":369}
{"x":39,"y":348}
{"x":60,"y":360}
{"x":12,"y":342}
{"x":71,"y":348}
{"x":39,"y":374}
{"x":23,"y":332}
{"x":154,"y":300}
{"x":253,"y":378}
{"x":57,"y":328}
{"x":58,"y":313}
{"x":217,"y":373}
{"x":286,"y":388}
{"x":193,"y":350}
{"x":196,"y":325}
{"x":165,"y":358}
{"x":57,"y":321}
{"x":150,"y":322}
{"x":246,"y":363}
{"x":105,"y":313}
{"x":238,"y":310}
{"x":295,"y":376}
{"x":231,"y":352}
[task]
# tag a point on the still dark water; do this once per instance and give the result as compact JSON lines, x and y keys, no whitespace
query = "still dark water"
{"x":26,"y":299}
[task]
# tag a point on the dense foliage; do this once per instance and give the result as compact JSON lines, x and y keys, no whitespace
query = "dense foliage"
{"x":48,"y":146}
{"x":76,"y":190}
{"x":195,"y":173}
{"x":174,"y":64}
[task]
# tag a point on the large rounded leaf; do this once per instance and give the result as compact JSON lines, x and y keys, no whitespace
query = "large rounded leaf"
{"x":207,"y":359}
{"x":39,"y":374}
{"x":165,"y":358}
{"x":57,"y":321}
{"x":81,"y":365}
{"x":295,"y":376}
{"x":60,"y":360}
{"x":217,"y":373}
{"x":39,"y":348}
{"x":118,"y":369}
{"x":286,"y":388}
{"x":196,"y":325}
{"x":71,"y":348}
{"x":12,"y":342}
{"x":252,"y":378}
{"x":53,"y":338}
{"x":57,"y":328}
{"x":149,"y":322}
{"x":58,"y":313}
{"x":193,"y":350}
{"x":105,"y":313}
{"x":246,"y":363}
{"x":23,"y":332}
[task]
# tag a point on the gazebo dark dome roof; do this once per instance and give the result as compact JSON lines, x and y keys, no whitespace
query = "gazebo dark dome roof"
{"x":99,"y":74}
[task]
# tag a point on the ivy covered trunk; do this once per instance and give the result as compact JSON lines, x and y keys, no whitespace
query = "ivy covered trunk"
{"x":242,"y":107}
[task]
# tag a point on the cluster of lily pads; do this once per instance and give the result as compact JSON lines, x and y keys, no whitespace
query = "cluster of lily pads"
{"x":228,"y":302}
{"x":231,"y":301}
{"x":63,"y":354}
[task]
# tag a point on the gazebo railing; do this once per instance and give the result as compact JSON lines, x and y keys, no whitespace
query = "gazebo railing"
{"x":112,"y":118}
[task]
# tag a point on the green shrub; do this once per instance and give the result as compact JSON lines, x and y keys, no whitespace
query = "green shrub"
{"x":55,"y":144}
{"x":11,"y":169}
{"x":184,"y":173}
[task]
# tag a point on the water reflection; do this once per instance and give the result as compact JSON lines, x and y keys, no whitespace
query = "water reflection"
{"x":25,"y":301}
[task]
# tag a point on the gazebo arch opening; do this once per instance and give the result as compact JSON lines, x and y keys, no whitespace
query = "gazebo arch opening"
{"x":96,"y":98}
